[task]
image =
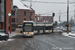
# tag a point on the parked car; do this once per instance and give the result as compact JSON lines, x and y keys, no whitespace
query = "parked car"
{"x":3,"y":35}
{"x":72,"y":29}
{"x":65,"y":29}
{"x":57,"y":30}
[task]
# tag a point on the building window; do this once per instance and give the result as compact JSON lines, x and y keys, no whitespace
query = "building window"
{"x":16,"y":20}
{"x":13,"y":13}
{"x":24,"y":13}
{"x":1,"y":25}
{"x":13,"y":19}
{"x":0,"y":1}
{"x":24,"y":19}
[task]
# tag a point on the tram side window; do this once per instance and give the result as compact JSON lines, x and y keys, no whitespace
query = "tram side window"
{"x":0,"y":1}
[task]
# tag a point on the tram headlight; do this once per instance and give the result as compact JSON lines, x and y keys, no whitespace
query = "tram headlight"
{"x":32,"y":33}
{"x":24,"y":33}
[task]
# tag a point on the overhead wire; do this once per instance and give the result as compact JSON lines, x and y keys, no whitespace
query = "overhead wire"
{"x":50,"y":2}
{"x":47,"y":12}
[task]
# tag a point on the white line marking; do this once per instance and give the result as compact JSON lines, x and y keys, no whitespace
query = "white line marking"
{"x":53,"y":44}
{"x":57,"y":47}
{"x":60,"y":48}
{"x":37,"y":48}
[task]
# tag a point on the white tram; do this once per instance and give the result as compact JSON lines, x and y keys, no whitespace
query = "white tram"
{"x":27,"y":29}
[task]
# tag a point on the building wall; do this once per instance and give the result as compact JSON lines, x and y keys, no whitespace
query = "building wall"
{"x":44,"y":18}
{"x":48,"y":18}
{"x":2,"y":11}
{"x":8,"y":10}
{"x":11,"y":4}
{"x":20,"y":16}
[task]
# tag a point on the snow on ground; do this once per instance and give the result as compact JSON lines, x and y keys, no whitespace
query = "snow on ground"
{"x":10,"y":39}
{"x":65,"y":34}
{"x":10,"y":35}
{"x":7,"y":40}
{"x":70,"y":34}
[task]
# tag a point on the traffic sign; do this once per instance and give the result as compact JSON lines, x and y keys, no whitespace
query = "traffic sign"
{"x":9,"y":14}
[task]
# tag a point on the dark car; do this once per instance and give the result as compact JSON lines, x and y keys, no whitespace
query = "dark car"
{"x":3,"y":35}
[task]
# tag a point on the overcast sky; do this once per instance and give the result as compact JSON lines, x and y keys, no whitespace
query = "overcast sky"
{"x":49,"y":8}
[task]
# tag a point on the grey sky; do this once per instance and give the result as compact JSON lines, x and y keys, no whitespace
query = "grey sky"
{"x":41,"y":8}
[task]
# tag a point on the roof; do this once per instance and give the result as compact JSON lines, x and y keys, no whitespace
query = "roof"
{"x":19,"y":5}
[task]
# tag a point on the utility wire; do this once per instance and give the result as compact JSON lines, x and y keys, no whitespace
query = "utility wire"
{"x":65,"y":12}
{"x":26,"y":5}
{"x":50,"y":2}
{"x":47,"y":12}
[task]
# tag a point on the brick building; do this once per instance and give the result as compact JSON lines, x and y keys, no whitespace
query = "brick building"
{"x":48,"y":18}
{"x":8,"y":10}
{"x":19,"y":15}
{"x":44,"y":18}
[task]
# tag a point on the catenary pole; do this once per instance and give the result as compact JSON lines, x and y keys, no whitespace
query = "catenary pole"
{"x":67,"y":15}
{"x":74,"y":19}
{"x":5,"y":15}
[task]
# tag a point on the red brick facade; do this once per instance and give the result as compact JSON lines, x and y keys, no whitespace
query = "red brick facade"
{"x":8,"y":10}
{"x":44,"y":18}
{"x":20,"y":16}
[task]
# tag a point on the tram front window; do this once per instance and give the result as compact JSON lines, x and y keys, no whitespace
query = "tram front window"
{"x":28,"y":27}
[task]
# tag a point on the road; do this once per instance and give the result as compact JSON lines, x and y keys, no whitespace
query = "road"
{"x":52,"y":41}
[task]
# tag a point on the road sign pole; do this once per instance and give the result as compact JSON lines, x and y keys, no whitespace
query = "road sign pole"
{"x":9,"y":16}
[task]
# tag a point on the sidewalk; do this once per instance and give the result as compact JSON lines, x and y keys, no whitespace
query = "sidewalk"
{"x":70,"y":34}
{"x":13,"y":33}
